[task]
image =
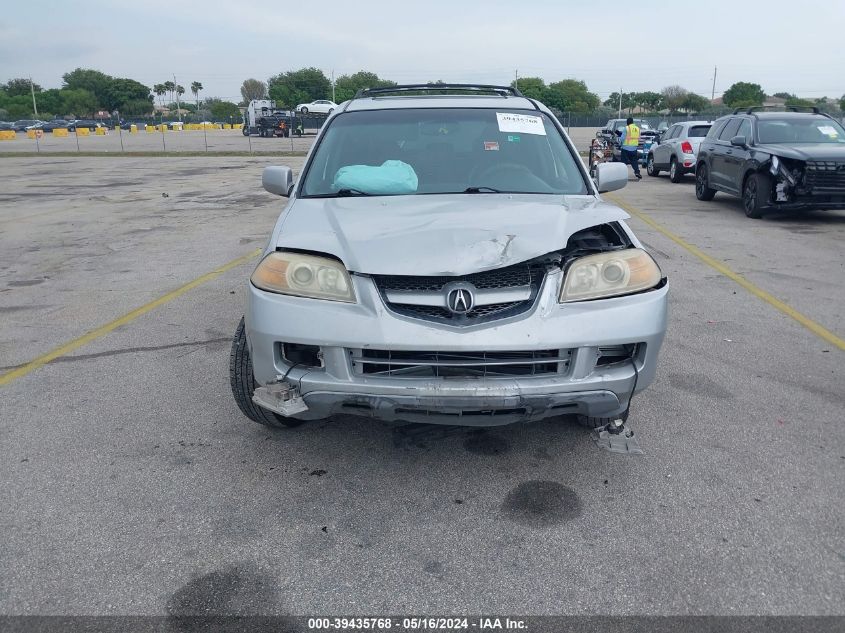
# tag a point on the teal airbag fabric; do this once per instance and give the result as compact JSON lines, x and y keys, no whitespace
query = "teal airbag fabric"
{"x":392,"y":177}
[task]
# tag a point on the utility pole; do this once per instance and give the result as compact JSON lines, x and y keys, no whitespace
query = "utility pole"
{"x":713,"y":93}
{"x":178,"y":106}
{"x":619,"y":116}
{"x":332,"y":87}
{"x":516,"y":79}
{"x":32,"y":89}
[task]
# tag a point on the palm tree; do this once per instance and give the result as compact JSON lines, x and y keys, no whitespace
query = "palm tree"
{"x":195,"y":88}
{"x":170,"y":87}
{"x":160,"y":89}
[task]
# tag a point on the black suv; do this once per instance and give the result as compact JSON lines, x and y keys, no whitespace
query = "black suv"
{"x":774,"y":160}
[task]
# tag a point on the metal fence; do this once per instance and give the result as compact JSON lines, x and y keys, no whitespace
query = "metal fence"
{"x":149,"y":139}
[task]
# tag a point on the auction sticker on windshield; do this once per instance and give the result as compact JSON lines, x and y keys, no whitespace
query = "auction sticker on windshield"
{"x":828,"y":130}
{"x":522,"y":123}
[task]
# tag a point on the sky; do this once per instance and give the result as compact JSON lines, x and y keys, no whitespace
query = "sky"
{"x":791,"y":46}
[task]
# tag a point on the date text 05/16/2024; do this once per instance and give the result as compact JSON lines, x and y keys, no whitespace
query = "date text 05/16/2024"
{"x":417,"y":624}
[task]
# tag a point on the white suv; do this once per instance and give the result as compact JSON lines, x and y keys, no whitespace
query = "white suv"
{"x":446,"y":258}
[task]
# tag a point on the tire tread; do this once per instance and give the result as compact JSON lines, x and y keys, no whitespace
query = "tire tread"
{"x":243,"y":384}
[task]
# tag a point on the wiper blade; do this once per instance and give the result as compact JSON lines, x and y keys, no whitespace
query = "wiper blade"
{"x":342,"y":193}
{"x":481,"y":190}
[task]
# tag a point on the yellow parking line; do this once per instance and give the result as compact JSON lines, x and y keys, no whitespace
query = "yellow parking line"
{"x":773,"y":301}
{"x":93,"y":335}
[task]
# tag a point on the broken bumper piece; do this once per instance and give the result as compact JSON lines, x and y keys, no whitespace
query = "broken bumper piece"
{"x":617,"y":438}
{"x":281,"y":398}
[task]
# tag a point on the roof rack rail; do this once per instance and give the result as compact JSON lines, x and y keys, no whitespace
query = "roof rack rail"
{"x":791,"y":108}
{"x":469,"y":88}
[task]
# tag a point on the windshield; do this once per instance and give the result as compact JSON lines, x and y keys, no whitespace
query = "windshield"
{"x":437,"y":151}
{"x":800,"y":130}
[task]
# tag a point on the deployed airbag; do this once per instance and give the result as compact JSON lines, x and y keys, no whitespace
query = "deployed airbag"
{"x":392,"y":177}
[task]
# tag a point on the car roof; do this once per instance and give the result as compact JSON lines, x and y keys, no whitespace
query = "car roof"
{"x":789,"y":115}
{"x":440,"y":95}
{"x":778,"y":114}
{"x":693,"y":123}
{"x":394,"y":102}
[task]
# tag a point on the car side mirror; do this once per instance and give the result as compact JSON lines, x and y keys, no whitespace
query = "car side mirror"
{"x":611,"y":176}
{"x":278,"y":180}
{"x":739,"y":141}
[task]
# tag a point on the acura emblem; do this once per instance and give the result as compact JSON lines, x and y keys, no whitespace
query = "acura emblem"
{"x":460,"y":300}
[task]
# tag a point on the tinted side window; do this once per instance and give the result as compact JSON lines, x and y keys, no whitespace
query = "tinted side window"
{"x":745,"y":130}
{"x":673,"y":132}
{"x":730,"y":130}
{"x":714,"y":131}
{"x":698,"y":131}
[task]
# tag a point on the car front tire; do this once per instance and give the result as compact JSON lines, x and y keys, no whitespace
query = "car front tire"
{"x":243,"y":385}
{"x":754,"y":195}
{"x":650,"y":168}
{"x":702,"y":183}
{"x":304,"y":110}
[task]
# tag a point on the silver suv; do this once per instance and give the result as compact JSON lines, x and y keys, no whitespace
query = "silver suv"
{"x":444,"y":257}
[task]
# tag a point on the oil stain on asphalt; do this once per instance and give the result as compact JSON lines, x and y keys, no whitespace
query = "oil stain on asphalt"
{"x":234,"y":590}
{"x":539,"y":504}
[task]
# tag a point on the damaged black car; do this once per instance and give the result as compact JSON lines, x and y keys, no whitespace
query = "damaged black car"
{"x":792,"y":160}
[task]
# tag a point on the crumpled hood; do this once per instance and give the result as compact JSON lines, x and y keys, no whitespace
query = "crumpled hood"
{"x":439,"y":234}
{"x":806,"y":151}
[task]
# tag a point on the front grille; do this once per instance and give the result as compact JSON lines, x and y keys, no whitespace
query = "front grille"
{"x":512,"y":276}
{"x":433,"y":364}
{"x":524,"y":275}
{"x":436,"y":313}
{"x":825,"y":176}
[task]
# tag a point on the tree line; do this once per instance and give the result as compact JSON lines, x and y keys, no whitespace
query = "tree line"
{"x":85,"y":91}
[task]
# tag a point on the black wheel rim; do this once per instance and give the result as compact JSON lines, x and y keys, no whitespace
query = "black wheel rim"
{"x":701,"y":181}
{"x":750,"y":197}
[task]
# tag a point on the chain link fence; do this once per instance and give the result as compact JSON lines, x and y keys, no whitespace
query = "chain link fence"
{"x":142,"y":138}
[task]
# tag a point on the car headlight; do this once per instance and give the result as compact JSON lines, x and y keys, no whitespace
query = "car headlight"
{"x":609,"y":275}
{"x":304,"y":276}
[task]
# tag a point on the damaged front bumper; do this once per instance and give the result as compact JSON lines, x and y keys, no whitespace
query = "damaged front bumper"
{"x":351,"y":338}
{"x":799,"y":186}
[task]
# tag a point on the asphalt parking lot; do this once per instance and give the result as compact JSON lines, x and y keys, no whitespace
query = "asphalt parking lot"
{"x":133,"y":485}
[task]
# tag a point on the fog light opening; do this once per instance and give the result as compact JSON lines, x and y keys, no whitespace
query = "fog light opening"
{"x":302,"y":355}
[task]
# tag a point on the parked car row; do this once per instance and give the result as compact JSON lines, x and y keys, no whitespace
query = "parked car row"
{"x":71,"y":125}
{"x":772,"y":160}
{"x":23,"y":125}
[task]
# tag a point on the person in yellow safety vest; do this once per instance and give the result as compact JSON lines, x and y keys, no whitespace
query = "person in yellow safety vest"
{"x":629,"y":140}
